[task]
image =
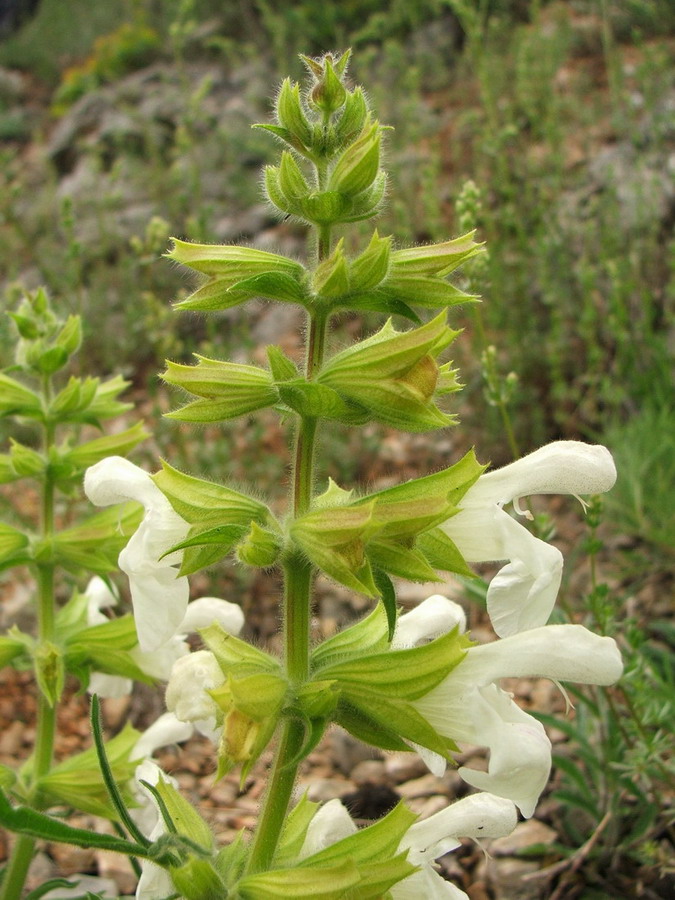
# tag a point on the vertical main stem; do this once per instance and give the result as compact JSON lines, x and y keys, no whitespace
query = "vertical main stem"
{"x":297,"y":613}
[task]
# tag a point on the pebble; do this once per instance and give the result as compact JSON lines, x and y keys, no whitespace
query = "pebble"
{"x":426,"y":786}
{"x":402,"y":767}
{"x":427,"y":806}
{"x":322,"y":790}
{"x":525,"y":834}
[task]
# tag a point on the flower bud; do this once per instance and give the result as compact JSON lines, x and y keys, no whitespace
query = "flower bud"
{"x":331,"y":278}
{"x":395,"y":374}
{"x":334,"y":540}
{"x":292,"y":182}
{"x":26,"y":462}
{"x":260,"y":547}
{"x":370,"y":268}
{"x":291,"y":115}
{"x":356,"y":169}
{"x":328,"y":94}
{"x":49,"y":671}
{"x":353,"y":117}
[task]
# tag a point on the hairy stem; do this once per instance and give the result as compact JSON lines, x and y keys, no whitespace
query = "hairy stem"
{"x":22,"y":854}
{"x":298,"y":574}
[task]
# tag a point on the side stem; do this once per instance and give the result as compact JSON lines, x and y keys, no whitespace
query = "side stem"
{"x":22,"y":853}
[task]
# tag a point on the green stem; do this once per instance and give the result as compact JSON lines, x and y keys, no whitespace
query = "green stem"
{"x":22,"y":854}
{"x":298,"y":575}
{"x":278,"y":797}
{"x":17,"y":868}
{"x":298,"y":584}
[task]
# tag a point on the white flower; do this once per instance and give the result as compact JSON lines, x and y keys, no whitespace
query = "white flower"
{"x":165,"y":730}
{"x":186,"y":694}
{"x":159,"y":596}
{"x":468,"y":706}
{"x":480,"y":815}
{"x":159,"y":663}
{"x":523,"y":593}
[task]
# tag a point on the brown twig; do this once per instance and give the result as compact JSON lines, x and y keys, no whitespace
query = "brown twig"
{"x":572,"y":863}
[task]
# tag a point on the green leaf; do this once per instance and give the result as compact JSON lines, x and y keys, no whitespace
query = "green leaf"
{"x":436,"y":259}
{"x":217,"y":380}
{"x":95,"y":544}
{"x":77,"y":781}
{"x":430,"y":293}
{"x":231,"y":261}
{"x":109,"y":777}
{"x":120,"y":444}
{"x":13,"y":545}
{"x":371,"y":731}
{"x":294,"y":831}
{"x":51,"y":885}
{"x":388,"y":598}
{"x":401,"y":561}
{"x":184,"y":816}
{"x":23,"y":820}
{"x":215,"y":541}
{"x":231,"y":651}
{"x":362,"y":711}
{"x":214,"y":295}
{"x":372,"y":844}
{"x":283,"y":368}
{"x":311,"y":400}
{"x":379,"y":301}
{"x":15,"y":399}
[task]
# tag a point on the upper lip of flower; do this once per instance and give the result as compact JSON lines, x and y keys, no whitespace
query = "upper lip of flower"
{"x":523,"y":593}
{"x":152,"y":582}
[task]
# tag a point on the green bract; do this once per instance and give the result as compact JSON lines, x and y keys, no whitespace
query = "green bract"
{"x":228,"y":389}
{"x":219,"y":517}
{"x":236,"y":274}
{"x":395,"y":375}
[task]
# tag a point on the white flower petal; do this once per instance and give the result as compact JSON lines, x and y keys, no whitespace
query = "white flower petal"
{"x":99,"y":597}
{"x":331,"y":823}
{"x":206,"y":610}
{"x":190,"y":678}
{"x":165,"y":730}
{"x":159,"y":596}
{"x":520,"y":751}
{"x":109,"y":686}
{"x":522,"y":594}
{"x":433,"y":617}
{"x":560,"y":652}
{"x":562,"y":467}
{"x":478,"y":816}
{"x":426,"y":885}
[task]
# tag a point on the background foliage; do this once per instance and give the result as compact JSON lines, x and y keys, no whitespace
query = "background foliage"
{"x":560,"y":112}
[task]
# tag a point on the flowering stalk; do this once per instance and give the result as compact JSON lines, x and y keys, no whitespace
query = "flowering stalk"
{"x":45,"y":345}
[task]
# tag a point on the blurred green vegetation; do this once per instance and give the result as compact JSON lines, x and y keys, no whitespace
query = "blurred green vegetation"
{"x":560,"y":112}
